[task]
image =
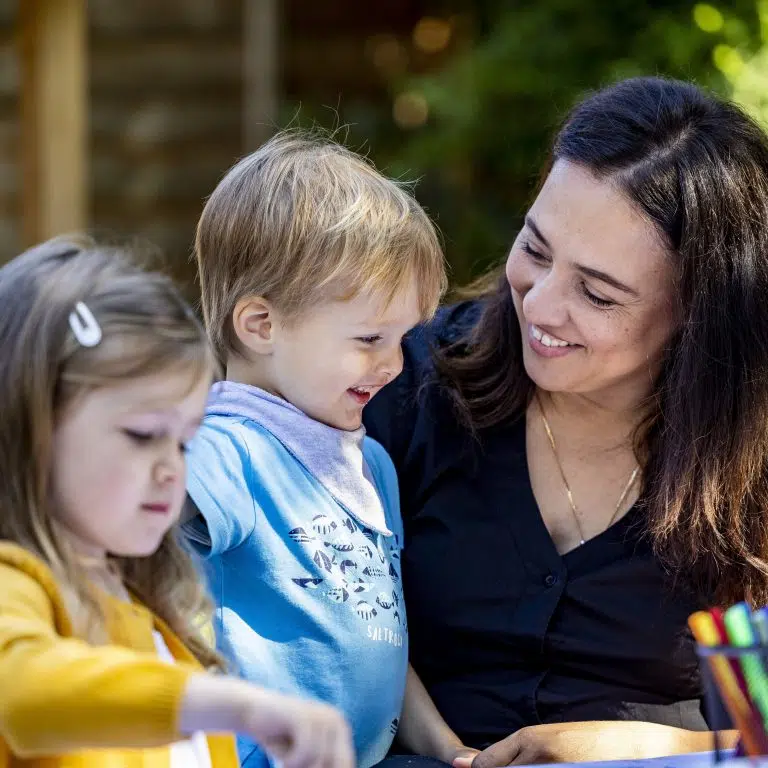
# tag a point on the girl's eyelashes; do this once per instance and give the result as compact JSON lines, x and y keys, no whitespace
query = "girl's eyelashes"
{"x":138,"y":437}
{"x":369,"y":339}
{"x":143,"y":437}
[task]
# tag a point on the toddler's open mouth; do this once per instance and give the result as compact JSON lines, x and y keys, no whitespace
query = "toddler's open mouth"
{"x":359,"y":394}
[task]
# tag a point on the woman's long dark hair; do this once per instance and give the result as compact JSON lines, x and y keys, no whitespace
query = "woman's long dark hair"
{"x":697,"y":167}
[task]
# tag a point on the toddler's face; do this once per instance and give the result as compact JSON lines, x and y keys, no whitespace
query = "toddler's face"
{"x":337,"y":356}
{"x":118,"y":462}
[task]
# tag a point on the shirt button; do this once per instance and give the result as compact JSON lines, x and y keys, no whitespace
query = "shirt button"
{"x":550,"y":580}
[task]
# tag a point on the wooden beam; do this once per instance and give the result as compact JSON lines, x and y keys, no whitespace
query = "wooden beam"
{"x":54,"y":108}
{"x":261,"y":33}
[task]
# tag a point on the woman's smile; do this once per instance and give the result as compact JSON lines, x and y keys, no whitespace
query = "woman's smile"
{"x":547,"y":344}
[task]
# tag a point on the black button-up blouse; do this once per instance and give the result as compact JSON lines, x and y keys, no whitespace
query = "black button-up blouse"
{"x":504,"y":631}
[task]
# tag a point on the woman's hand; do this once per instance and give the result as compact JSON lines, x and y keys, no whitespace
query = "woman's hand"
{"x":461,"y":757}
{"x":590,"y":741}
{"x":423,"y":730}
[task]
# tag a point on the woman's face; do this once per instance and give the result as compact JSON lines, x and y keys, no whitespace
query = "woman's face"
{"x":593,"y":287}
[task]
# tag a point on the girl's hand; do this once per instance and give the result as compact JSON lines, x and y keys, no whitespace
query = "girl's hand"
{"x":300,"y":733}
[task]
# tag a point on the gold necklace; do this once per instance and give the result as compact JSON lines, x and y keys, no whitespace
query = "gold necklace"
{"x":571,"y":502}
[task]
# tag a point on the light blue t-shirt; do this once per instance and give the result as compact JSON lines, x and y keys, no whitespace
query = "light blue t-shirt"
{"x":309,"y":600}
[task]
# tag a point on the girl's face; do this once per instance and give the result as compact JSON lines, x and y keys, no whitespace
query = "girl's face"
{"x":593,"y":286}
{"x":118,"y":479}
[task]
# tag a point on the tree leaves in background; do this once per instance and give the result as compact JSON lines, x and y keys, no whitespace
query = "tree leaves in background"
{"x":493,"y":110}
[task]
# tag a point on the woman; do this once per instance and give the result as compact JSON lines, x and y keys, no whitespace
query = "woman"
{"x":582,"y":451}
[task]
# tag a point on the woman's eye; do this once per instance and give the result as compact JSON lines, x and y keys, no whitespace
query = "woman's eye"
{"x":596,"y":300}
{"x":532,"y":252}
{"x":369,"y":339}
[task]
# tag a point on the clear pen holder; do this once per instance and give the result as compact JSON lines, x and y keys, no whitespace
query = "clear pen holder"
{"x":715,"y":710}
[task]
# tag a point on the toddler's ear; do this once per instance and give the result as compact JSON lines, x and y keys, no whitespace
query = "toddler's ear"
{"x":254,"y":322}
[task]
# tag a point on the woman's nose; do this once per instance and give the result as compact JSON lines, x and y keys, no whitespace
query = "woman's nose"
{"x":546,"y":301}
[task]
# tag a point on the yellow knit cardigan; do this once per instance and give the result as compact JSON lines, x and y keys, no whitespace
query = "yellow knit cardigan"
{"x":67,"y":704}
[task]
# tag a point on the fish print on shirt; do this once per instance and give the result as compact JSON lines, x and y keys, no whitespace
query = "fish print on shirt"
{"x":356,"y":568}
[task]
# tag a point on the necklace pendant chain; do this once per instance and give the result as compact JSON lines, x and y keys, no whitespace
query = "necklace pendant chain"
{"x":569,"y":493}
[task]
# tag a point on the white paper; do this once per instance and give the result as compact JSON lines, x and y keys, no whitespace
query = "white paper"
{"x":691,"y":760}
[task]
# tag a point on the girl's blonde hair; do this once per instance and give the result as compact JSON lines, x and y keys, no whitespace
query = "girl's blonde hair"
{"x":147,"y":328}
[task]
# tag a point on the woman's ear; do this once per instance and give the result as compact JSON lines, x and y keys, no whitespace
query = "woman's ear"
{"x":254,"y":322}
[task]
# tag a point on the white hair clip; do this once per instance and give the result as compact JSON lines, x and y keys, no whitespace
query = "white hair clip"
{"x":83,"y":324}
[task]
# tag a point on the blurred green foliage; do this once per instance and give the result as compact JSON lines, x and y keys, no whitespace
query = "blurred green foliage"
{"x":493,"y":105}
{"x":740,"y":53}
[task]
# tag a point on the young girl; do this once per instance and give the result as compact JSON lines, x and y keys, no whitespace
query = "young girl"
{"x":104,"y":373}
